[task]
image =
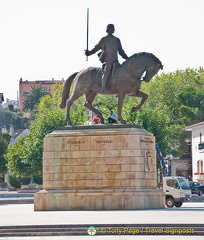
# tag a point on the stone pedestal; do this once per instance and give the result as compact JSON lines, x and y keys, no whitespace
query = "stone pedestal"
{"x":99,"y":167}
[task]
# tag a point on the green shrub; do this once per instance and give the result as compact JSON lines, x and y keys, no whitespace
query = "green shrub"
{"x":16,"y":182}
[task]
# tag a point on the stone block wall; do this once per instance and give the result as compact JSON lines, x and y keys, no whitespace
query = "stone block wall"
{"x":107,"y":159}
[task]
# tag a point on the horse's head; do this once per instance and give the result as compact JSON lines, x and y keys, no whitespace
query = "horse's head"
{"x":148,"y":63}
{"x":152,"y":70}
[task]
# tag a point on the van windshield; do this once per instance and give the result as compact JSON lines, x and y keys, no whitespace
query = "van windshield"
{"x":184,"y":184}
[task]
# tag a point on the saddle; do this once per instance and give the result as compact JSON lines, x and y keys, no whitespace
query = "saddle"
{"x":113,"y":75}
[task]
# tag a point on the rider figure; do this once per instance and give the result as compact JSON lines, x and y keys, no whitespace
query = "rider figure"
{"x":110,"y":46}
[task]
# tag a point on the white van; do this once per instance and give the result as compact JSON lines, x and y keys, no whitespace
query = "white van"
{"x":177,"y":191}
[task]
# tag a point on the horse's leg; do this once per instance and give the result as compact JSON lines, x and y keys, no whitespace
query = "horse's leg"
{"x":70,"y":101}
{"x":88,"y":104}
{"x":121,"y":97}
{"x":144,"y":97}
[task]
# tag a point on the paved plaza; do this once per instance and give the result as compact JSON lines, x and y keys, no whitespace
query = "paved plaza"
{"x":23,"y":214}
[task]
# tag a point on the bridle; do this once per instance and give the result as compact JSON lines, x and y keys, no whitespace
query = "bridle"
{"x":132,"y":74}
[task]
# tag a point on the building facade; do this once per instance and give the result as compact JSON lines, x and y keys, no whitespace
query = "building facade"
{"x":181,"y":167}
{"x":25,"y":87}
{"x":15,"y":104}
{"x":197,"y":151}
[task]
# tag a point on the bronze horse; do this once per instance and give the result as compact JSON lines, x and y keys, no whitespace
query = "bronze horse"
{"x":126,"y":81}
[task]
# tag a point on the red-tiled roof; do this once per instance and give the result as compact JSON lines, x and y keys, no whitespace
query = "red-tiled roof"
{"x":17,"y":132}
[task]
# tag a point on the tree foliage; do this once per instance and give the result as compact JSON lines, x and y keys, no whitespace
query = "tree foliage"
{"x":7,"y":118}
{"x":33,"y":98}
{"x":4,"y":141}
{"x":177,"y":97}
{"x":25,"y":157}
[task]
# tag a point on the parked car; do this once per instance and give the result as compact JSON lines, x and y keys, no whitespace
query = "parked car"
{"x":196,"y":188}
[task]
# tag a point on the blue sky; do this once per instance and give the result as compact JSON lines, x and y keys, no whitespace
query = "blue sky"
{"x":45,"y":39}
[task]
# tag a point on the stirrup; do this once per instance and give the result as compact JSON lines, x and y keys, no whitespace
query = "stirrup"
{"x":105,"y":90}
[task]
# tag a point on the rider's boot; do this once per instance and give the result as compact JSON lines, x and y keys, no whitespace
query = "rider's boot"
{"x":104,"y":82}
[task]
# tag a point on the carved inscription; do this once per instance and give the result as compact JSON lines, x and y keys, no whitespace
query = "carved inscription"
{"x":103,"y":141}
{"x":76,"y":142}
{"x":146,"y":141}
{"x":83,"y":142}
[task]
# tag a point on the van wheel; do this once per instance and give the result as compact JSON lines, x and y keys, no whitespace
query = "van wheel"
{"x":170,"y":202}
{"x":200,"y":193}
{"x":178,"y":204}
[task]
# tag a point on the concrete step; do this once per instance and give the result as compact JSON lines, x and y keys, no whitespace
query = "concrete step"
{"x":17,"y":200}
{"x":42,"y":231}
{"x":81,"y":230}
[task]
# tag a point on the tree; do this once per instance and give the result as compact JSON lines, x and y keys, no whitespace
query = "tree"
{"x":7,"y":118}
{"x":33,"y":98}
{"x":25,"y":157}
{"x":189,"y":107}
{"x":4,"y":141}
{"x":177,"y":97}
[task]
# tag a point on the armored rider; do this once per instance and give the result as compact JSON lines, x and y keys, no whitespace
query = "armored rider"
{"x":110,"y":46}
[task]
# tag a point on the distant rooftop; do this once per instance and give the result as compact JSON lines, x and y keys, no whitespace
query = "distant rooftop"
{"x":42,"y":81}
{"x":189,"y":128}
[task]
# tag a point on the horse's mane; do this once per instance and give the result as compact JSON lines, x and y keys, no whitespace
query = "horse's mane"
{"x":145,"y":54}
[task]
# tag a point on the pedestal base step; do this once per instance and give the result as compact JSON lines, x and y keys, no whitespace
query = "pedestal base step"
{"x":98,"y":199}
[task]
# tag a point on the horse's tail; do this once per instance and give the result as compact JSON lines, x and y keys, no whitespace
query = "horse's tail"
{"x":66,"y":90}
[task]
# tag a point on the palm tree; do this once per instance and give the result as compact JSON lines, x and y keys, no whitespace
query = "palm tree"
{"x":33,"y":98}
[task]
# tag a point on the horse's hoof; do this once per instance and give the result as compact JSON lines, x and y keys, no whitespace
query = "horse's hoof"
{"x":102,"y":120}
{"x":134,"y":109}
{"x":123,"y":121}
{"x":62,"y":106}
{"x":70,"y":124}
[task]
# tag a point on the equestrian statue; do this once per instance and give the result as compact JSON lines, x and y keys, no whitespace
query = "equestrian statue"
{"x":113,"y":78}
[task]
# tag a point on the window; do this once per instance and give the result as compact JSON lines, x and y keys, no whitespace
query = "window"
{"x":200,"y":166}
{"x":25,"y":92}
{"x":184,"y":184}
{"x":45,"y":89}
{"x":201,"y":146}
{"x":172,"y":183}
